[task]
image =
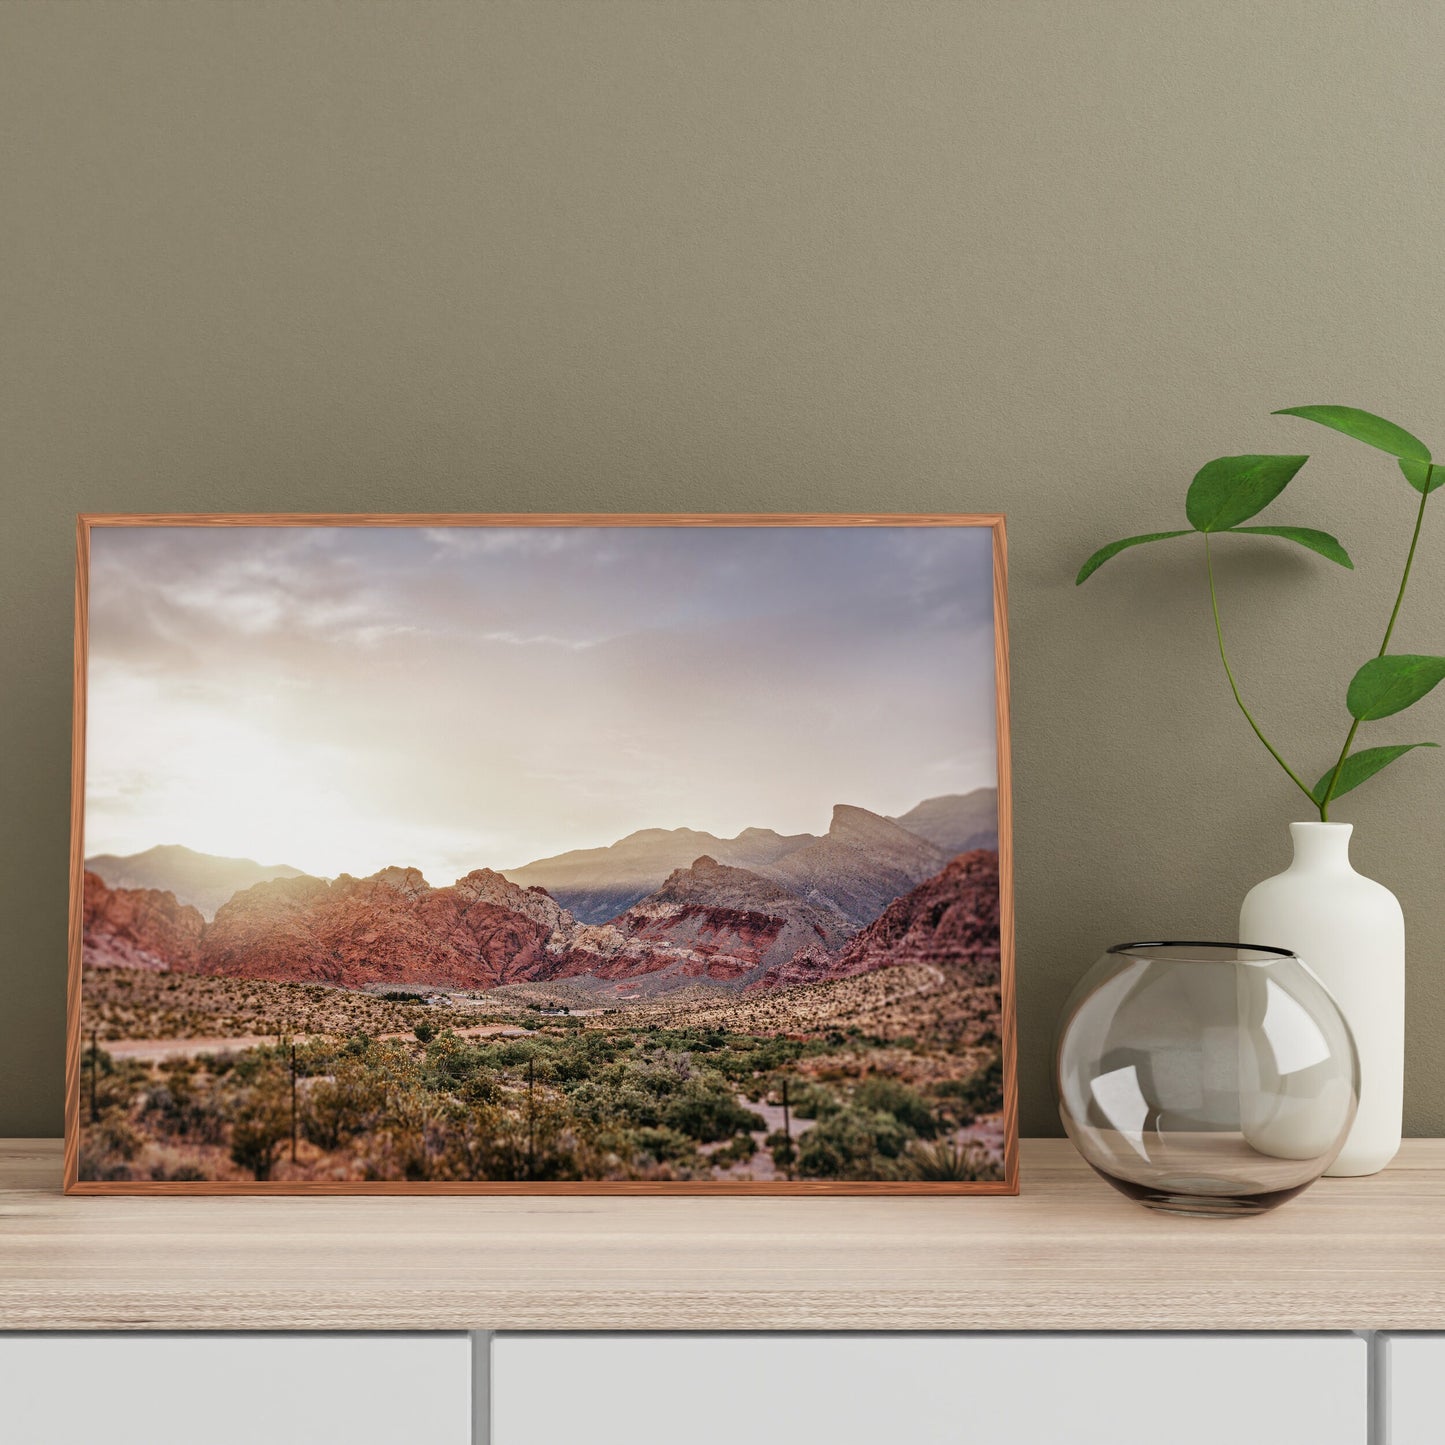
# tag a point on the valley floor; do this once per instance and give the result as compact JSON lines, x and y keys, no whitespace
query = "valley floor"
{"x":887,"y":1075}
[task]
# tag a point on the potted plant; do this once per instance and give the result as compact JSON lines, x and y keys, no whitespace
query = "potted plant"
{"x":1348,"y":928}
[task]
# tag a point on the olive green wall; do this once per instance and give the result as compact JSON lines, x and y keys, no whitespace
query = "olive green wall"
{"x":1045,"y":258}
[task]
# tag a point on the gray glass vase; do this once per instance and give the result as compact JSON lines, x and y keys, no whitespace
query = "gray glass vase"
{"x":1205,"y":1078}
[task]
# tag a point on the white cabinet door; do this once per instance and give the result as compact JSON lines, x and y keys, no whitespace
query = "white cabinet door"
{"x":145,"y":1389}
{"x":1414,"y":1382}
{"x":928,"y":1389}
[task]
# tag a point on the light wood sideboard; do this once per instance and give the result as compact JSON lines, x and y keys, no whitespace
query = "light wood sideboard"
{"x":1063,"y":1317}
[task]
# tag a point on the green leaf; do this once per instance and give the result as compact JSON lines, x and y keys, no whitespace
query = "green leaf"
{"x":1230,"y":490}
{"x":1365,"y":427}
{"x":1316,"y":541}
{"x":1114,"y":548}
{"x":1361,"y":765}
{"x":1390,"y":684}
{"x":1416,"y":472}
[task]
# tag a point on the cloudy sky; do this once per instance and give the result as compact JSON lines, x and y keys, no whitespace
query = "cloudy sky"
{"x":345,"y":698}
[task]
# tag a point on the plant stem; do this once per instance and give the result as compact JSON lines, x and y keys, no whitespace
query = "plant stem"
{"x":1234,"y":686}
{"x":1389,"y":630}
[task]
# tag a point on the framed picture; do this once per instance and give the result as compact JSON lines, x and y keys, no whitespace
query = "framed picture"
{"x":541,"y":854}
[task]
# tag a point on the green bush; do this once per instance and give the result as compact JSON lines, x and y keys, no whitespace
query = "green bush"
{"x":980,"y":1093}
{"x":807,"y":1098}
{"x":737,"y":1150}
{"x":261,"y":1122}
{"x":889,"y":1096}
{"x":853,"y":1144}
{"x":783,"y":1149}
{"x":665,"y":1146}
{"x":708,"y":1110}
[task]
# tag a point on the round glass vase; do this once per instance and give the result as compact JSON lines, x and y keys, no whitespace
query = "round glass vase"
{"x":1205,"y":1078}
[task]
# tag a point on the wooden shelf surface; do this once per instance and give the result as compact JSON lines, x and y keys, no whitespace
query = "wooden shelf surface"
{"x":1067,"y":1254}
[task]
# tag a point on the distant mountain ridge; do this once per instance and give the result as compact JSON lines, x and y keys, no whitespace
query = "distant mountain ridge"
{"x":598,"y":884}
{"x":957,"y":822}
{"x":862,"y":864}
{"x":202,"y":880}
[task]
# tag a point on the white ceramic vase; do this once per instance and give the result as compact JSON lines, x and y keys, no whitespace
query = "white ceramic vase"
{"x":1350,"y":932}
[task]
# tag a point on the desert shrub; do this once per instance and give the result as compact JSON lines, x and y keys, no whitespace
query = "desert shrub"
{"x":980,"y":1093}
{"x":115,"y":1136}
{"x":582,"y":1056}
{"x":510,"y":1053}
{"x":945,"y":1159}
{"x":664,"y":1146}
{"x":530,"y":1135}
{"x":332,"y":1113}
{"x":100,"y":1163}
{"x":261,"y":1113}
{"x":614,"y":1101}
{"x":783,"y":1149}
{"x":853,"y":1144}
{"x":182,"y":1108}
{"x":707,"y":1110}
{"x":747,"y":1056}
{"x":455,"y":1066}
{"x":891,"y":1096}
{"x":481,"y":1087}
{"x":449,"y":1059}
{"x":317,"y":1056}
{"x":165,"y":1171}
{"x":256,"y":1137}
{"x":738,"y":1149}
{"x":807,"y":1098}
{"x":425,"y":1031}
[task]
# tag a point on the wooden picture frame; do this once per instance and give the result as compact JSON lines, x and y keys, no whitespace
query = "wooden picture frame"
{"x":90,"y":527}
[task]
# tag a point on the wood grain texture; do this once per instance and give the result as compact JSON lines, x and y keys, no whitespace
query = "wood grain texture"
{"x":1067,"y":1254}
{"x":1007,"y":1023}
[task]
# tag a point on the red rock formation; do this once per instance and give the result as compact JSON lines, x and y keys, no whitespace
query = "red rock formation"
{"x":708,"y":922}
{"x":733,"y":921}
{"x":394,"y":928}
{"x":138,"y":927}
{"x":950,"y":921}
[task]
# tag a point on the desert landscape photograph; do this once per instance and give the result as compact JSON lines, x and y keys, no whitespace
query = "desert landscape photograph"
{"x":540,"y":856}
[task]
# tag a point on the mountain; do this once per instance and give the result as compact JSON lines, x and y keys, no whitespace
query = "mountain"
{"x":484,"y":931}
{"x":709,"y":922}
{"x":957,"y":822}
{"x":859,"y":868}
{"x":394,"y":927}
{"x":596,"y":884}
{"x":737,"y":918}
{"x":200,"y":879}
{"x":950,"y":921}
{"x":137,"y":927}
